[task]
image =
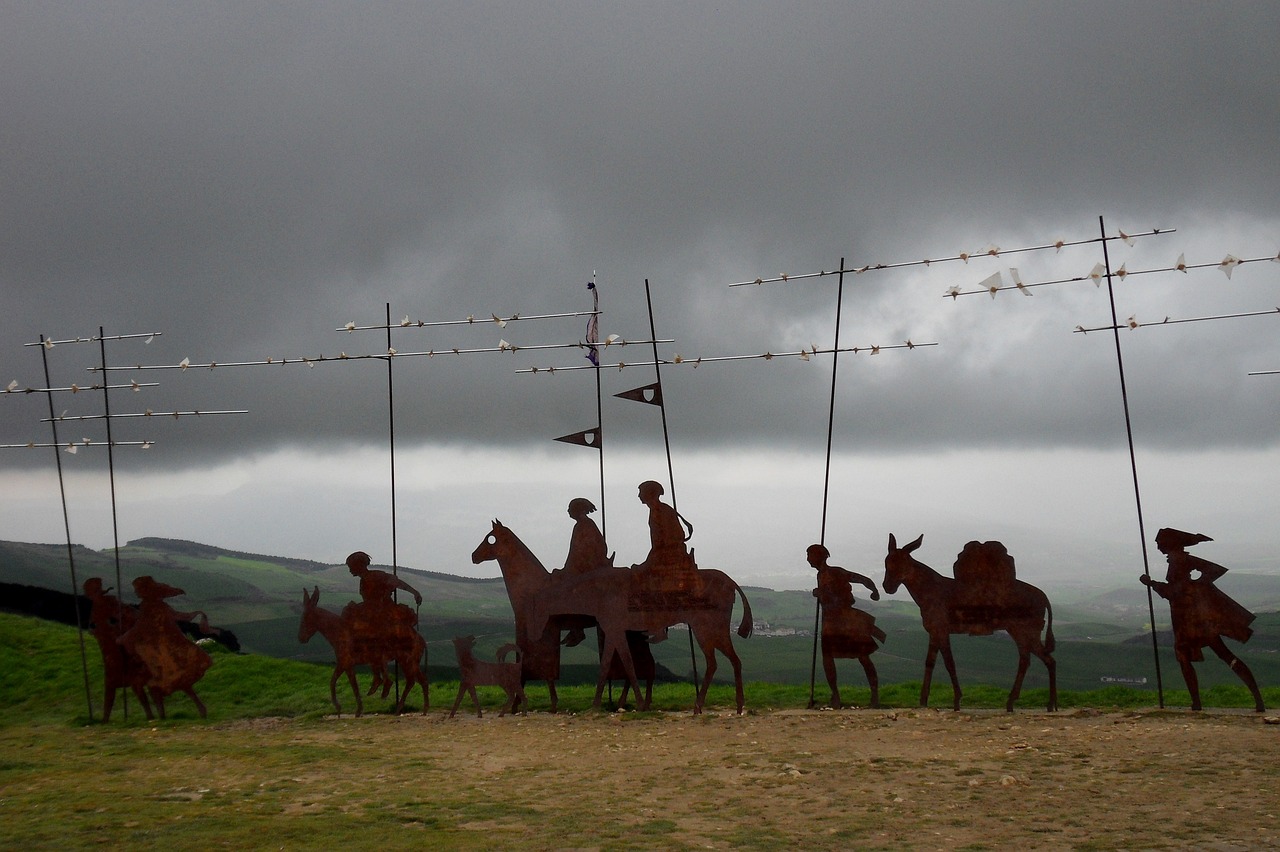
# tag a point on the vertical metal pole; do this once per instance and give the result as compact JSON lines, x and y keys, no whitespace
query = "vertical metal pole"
{"x":826,"y":480}
{"x":666,"y":439}
{"x":111,"y":471}
{"x":66,"y":524}
{"x":1133,"y":462}
{"x":391,"y":430}
{"x":604,"y":518}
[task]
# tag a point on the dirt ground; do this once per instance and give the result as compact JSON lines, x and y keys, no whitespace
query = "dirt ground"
{"x":927,"y":779}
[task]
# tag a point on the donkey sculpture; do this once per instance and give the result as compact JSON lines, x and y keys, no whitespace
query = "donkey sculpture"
{"x":349,"y":651}
{"x":947,"y":607}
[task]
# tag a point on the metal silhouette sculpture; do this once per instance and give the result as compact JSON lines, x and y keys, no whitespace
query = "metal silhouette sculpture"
{"x":847,"y":632}
{"x":982,"y":597}
{"x":350,"y":649}
{"x":473,"y":673}
{"x":109,"y":617}
{"x":1202,"y":614}
{"x":526,"y":580}
{"x":173,"y":661}
{"x":667,"y":588}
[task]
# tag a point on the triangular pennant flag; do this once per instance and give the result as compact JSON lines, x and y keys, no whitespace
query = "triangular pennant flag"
{"x":585,"y":438}
{"x":651,"y":394}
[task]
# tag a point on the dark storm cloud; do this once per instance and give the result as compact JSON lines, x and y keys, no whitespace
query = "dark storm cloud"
{"x":248,"y":177}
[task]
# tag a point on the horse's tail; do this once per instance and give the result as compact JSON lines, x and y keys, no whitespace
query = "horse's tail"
{"x":1048,"y":633}
{"x":507,"y":648}
{"x":747,"y":625}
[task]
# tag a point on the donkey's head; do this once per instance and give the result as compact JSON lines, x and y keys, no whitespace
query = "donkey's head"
{"x":899,"y":563}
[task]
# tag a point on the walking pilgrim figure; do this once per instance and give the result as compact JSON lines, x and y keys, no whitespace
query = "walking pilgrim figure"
{"x":847,"y":632}
{"x":175,"y":662}
{"x":109,"y":618}
{"x":1202,"y":614}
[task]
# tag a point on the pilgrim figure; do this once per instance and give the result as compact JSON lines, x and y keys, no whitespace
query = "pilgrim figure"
{"x":587,"y":552}
{"x":175,"y":662}
{"x":846,"y":632}
{"x":108,"y":619}
{"x":1202,"y":614}
{"x":668,"y":555}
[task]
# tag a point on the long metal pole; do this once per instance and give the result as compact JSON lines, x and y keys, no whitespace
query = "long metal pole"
{"x":1133,"y":463}
{"x":391,"y":431}
{"x":66,"y":524}
{"x":111,"y":472}
{"x":666,"y":440}
{"x":826,"y":480}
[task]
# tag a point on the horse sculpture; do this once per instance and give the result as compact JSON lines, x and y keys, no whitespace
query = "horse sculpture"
{"x":526,"y":578}
{"x":349,"y":651}
{"x":622,"y":600}
{"x":1019,"y":608}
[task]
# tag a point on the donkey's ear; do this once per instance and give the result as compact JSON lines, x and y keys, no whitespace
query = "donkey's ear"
{"x":913,"y":545}
{"x":893,"y":542}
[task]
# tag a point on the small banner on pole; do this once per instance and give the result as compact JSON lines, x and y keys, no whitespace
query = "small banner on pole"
{"x":585,"y":438}
{"x":650,"y":394}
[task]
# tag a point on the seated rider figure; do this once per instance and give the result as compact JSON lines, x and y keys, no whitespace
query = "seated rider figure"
{"x":377,"y":615}
{"x":587,"y":552}
{"x":668,"y":555}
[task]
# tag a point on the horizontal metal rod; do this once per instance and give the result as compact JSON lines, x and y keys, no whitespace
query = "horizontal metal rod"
{"x":49,"y":344}
{"x":1122,"y":274}
{"x":148,"y":413}
{"x":34,"y":445}
{"x":187,"y":365}
{"x":803,"y":354}
{"x":1265,"y":373}
{"x":471,"y":320}
{"x":1166,"y":321}
{"x":964,"y":256}
{"x":77,"y":389}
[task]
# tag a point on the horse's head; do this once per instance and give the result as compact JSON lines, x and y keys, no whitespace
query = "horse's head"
{"x":310,"y":602}
{"x":897,"y":562}
{"x":488,"y":548}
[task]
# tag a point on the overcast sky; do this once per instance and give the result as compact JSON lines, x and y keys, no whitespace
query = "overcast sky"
{"x":247,"y":178}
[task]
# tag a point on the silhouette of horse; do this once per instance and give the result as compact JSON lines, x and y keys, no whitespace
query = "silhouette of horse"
{"x":526,"y":578}
{"x":622,"y":600}
{"x":349,"y":652}
{"x":1022,"y":610}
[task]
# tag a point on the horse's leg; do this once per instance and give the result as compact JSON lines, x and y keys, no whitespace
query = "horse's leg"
{"x":158,"y":700}
{"x":143,"y":700}
{"x":204,"y":713}
{"x":930,"y":658}
{"x":1052,"y":666}
{"x":950,"y":662}
{"x":471,"y":688}
{"x":109,"y":700}
{"x":616,"y":640}
{"x":551,"y":687}
{"x":731,"y":654}
{"x":872,"y":678}
{"x":1024,"y":660}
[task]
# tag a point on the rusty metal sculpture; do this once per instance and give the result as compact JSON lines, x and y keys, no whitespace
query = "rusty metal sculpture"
{"x":350,"y":649}
{"x":526,"y":578}
{"x":173,"y":661}
{"x":647,"y":598}
{"x":984,"y":596}
{"x":1202,"y":614}
{"x":847,"y":632}
{"x":109,"y":617}
{"x":473,"y":673}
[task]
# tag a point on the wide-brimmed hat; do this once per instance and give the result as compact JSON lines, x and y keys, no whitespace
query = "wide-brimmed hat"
{"x":1170,"y":537}
{"x":148,"y":587}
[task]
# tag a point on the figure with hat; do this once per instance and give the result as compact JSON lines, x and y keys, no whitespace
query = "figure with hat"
{"x":1202,"y":614}
{"x":846,"y":632}
{"x":174,"y":661}
{"x":587,"y":552}
{"x":108,"y":619}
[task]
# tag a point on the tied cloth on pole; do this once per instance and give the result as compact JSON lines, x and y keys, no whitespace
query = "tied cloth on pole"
{"x":593,"y":326}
